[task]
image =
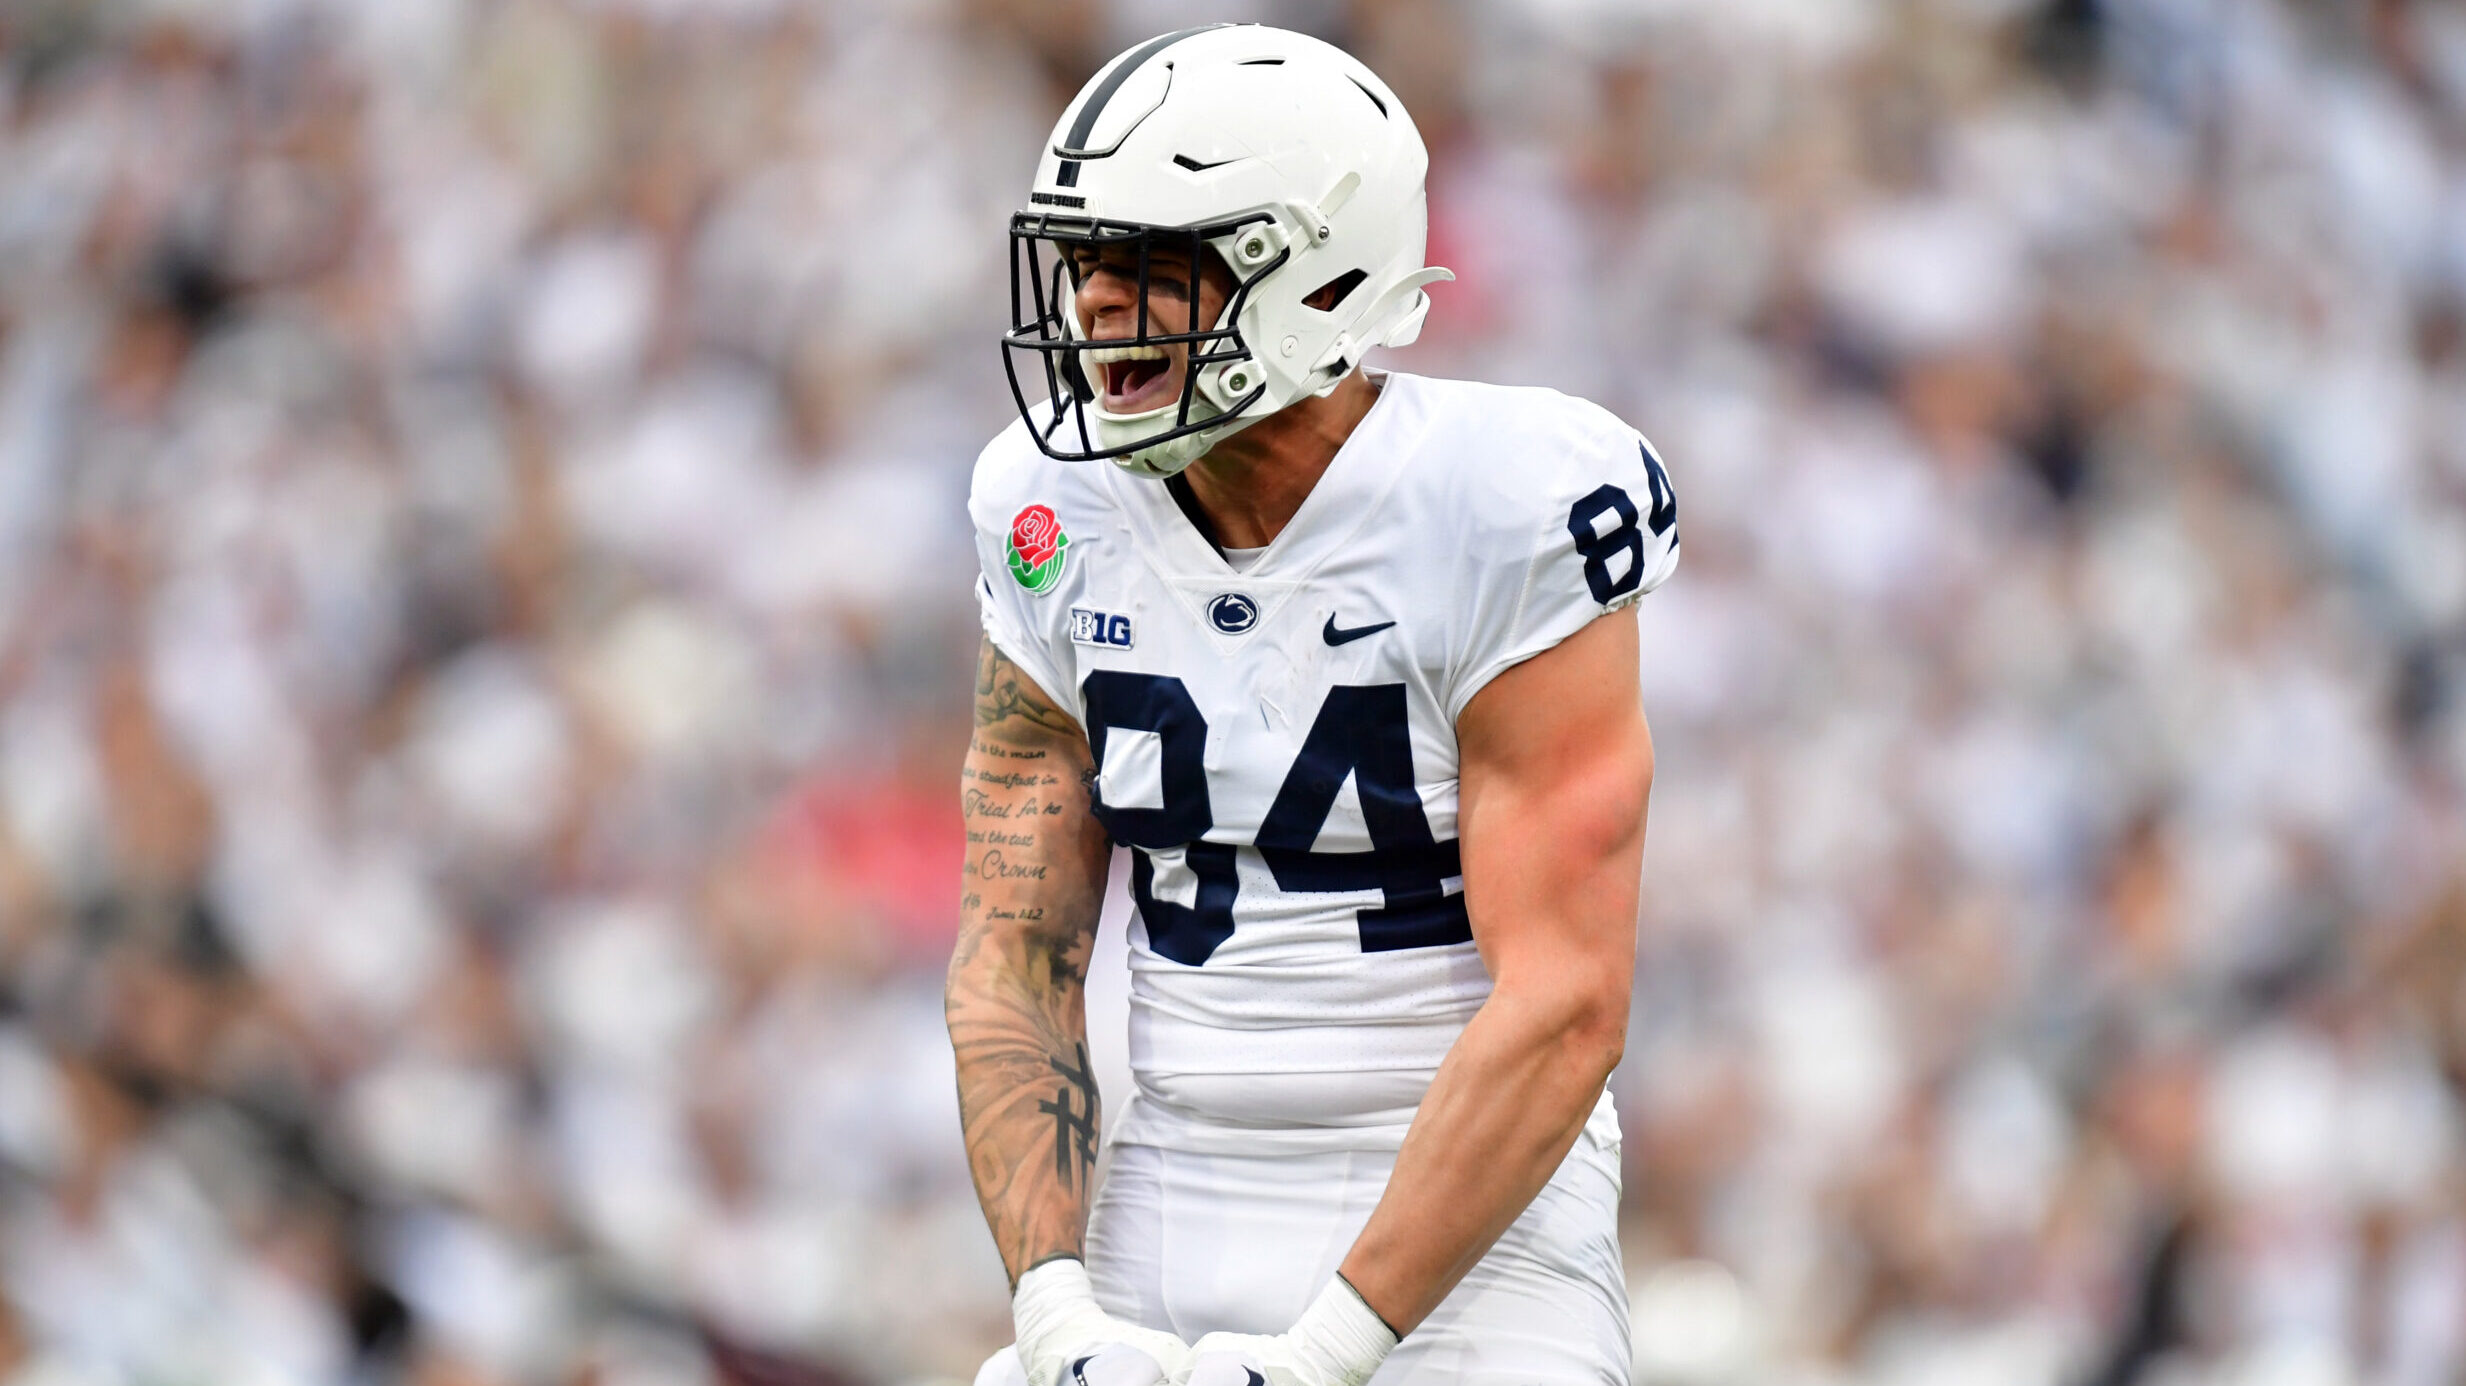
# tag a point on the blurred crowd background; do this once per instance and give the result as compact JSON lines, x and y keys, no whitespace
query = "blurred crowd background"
{"x":485,"y":628}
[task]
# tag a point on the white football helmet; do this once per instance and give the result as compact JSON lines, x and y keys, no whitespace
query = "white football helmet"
{"x":1283,"y":156}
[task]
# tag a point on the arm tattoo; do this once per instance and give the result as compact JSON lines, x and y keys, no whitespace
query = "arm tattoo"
{"x":1074,"y":1128}
{"x":1003,"y":695}
{"x":1031,"y":885}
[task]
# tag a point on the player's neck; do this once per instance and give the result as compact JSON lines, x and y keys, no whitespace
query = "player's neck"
{"x":1250,"y":484}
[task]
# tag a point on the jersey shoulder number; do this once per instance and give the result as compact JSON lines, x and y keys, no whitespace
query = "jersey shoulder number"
{"x":1619,"y":545}
{"x":1574,"y":515}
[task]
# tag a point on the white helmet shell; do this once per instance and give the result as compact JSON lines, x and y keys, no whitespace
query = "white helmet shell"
{"x":1291,"y":160}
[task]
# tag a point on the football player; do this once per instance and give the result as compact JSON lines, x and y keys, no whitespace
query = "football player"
{"x":1345,"y":658}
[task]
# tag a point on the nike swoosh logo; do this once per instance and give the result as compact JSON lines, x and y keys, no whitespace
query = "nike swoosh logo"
{"x":1337,"y":635}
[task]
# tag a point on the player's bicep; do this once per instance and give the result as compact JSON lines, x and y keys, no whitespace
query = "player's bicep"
{"x":1011,"y":708}
{"x":1556,"y":767}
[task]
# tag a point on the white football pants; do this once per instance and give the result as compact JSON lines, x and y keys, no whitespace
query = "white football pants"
{"x":1196,"y":1243}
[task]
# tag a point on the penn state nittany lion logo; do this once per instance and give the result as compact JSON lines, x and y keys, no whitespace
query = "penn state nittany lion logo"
{"x":1232,"y":613}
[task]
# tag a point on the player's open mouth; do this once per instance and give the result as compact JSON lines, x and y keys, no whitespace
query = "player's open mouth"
{"x":1134,"y":378}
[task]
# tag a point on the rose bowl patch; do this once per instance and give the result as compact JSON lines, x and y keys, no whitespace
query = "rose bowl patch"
{"x":1038,"y":548}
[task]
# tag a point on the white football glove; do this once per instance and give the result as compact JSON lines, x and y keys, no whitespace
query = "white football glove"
{"x":1060,"y":1326}
{"x":1338,"y":1341}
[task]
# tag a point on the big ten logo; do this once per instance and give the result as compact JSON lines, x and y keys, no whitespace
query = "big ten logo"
{"x":1099,"y":628}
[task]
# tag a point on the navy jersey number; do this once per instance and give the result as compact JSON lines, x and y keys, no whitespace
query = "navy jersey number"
{"x":1600,"y":545}
{"x":1364,"y":731}
{"x":1665,"y":499}
{"x":1146,"y":702}
{"x":1360,"y":731}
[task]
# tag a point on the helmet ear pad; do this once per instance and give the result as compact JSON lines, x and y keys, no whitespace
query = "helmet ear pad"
{"x":1300,"y":347}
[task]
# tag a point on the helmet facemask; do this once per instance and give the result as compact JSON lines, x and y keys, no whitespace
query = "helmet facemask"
{"x":1221,"y":379}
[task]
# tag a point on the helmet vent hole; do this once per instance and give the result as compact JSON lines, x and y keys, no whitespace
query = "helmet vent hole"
{"x":1374,"y":96}
{"x":1260,"y":62}
{"x":1326,"y":296}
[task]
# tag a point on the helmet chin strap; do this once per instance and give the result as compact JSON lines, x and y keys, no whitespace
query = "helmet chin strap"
{"x":1164,"y":460}
{"x":1160,"y":461}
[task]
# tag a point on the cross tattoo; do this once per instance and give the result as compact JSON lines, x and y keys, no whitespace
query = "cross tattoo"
{"x":1074,"y":1124}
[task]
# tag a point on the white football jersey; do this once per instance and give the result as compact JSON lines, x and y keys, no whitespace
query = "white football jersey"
{"x":1277,"y":745}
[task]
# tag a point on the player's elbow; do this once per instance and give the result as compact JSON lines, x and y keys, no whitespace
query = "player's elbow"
{"x":1573,"y":964}
{"x":1576,"y":1007}
{"x":1595,"y":1035}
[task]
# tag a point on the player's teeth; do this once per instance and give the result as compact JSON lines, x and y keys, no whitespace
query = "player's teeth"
{"x":1100,"y":356}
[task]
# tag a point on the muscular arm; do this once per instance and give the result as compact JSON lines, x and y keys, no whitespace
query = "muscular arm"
{"x":1556,"y":766}
{"x":1033,"y":884}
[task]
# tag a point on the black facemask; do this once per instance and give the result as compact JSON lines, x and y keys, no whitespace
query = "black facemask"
{"x":1042,"y":286}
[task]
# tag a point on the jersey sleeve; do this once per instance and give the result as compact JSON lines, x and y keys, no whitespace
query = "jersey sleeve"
{"x":1012,"y":636}
{"x":1595,"y":522}
{"x":1018,"y":621}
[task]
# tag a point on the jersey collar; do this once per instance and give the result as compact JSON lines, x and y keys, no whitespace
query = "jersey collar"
{"x":1344,"y":499}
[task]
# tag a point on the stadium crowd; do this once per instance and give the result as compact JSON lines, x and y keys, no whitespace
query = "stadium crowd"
{"x":485,"y":623}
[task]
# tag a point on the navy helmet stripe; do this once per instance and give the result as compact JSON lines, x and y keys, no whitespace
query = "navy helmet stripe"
{"x":1086,"y":122}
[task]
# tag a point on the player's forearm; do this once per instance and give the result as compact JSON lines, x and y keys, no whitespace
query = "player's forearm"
{"x":1027,"y":1097}
{"x":1032,"y":885}
{"x":1501,"y":1115}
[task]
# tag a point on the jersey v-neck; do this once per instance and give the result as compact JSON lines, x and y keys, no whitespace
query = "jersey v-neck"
{"x":1187,"y":500}
{"x":1173,"y":527}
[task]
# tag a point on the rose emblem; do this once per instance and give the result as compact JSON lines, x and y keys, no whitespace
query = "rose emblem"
{"x":1036,"y":548}
{"x":1037,"y":534}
